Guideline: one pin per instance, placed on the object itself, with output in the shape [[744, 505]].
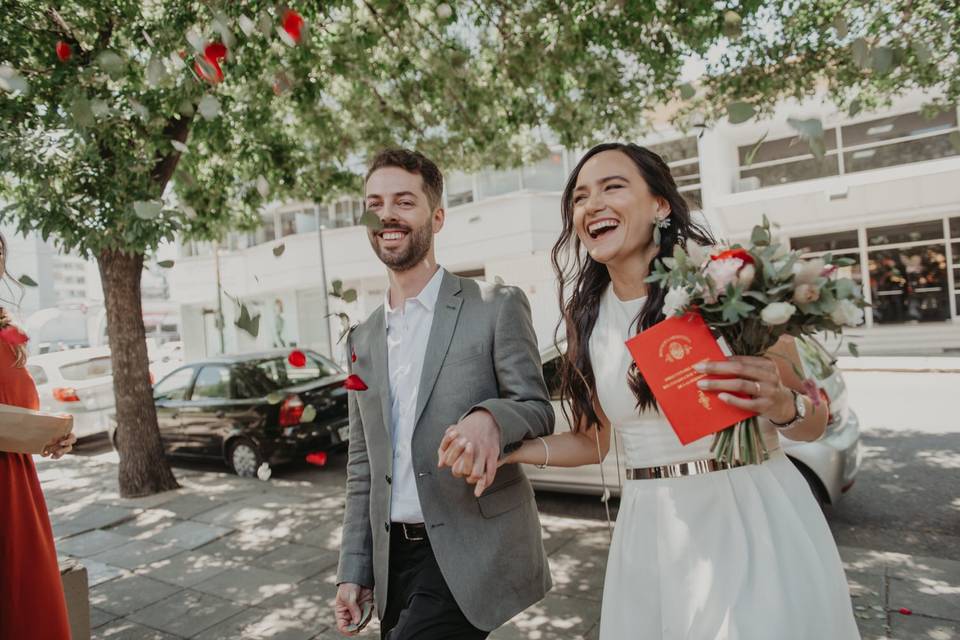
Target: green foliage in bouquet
[[751, 296]]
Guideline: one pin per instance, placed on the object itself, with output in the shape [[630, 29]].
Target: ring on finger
[[757, 394]]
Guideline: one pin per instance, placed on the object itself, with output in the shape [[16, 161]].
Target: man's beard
[[418, 245]]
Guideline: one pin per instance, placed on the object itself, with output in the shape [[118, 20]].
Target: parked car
[[829, 465], [78, 382], [251, 408]]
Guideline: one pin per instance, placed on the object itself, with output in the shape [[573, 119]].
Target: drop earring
[[659, 223]]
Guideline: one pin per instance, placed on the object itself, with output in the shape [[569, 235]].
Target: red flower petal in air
[[743, 254], [905, 611], [208, 70], [293, 24], [353, 357], [297, 358], [12, 335], [354, 383], [318, 458], [64, 51], [215, 52]]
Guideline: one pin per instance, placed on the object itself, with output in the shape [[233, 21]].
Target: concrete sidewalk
[[231, 558]]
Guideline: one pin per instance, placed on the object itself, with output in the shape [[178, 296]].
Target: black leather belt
[[410, 532]]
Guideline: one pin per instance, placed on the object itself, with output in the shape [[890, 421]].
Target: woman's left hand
[[59, 448], [757, 377]]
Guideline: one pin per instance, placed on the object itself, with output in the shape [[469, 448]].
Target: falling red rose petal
[[293, 24], [353, 357], [734, 253], [215, 52], [297, 358], [12, 335], [354, 383], [64, 51], [318, 458], [208, 70], [905, 611]]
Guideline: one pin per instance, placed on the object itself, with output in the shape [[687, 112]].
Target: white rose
[[697, 252], [722, 273], [807, 271], [847, 313], [806, 293], [676, 301], [746, 276], [777, 313]]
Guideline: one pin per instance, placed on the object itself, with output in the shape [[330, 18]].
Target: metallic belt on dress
[[680, 469]]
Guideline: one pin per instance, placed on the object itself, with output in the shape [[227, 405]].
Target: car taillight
[[291, 411], [66, 394]]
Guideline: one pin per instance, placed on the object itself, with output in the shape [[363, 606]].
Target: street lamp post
[[323, 276], [216, 267]]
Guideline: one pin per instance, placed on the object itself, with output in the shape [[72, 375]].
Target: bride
[[699, 552]]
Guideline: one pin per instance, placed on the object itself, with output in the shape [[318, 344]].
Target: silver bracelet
[[547, 449]]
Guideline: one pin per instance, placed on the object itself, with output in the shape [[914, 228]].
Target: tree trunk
[[144, 469]]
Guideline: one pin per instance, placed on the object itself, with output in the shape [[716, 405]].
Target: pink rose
[[806, 293]]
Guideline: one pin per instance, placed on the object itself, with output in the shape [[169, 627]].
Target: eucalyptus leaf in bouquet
[[751, 296]]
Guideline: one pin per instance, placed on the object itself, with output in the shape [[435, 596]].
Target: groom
[[440, 562]]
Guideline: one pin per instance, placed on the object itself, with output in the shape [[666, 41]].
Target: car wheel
[[819, 493], [244, 458]]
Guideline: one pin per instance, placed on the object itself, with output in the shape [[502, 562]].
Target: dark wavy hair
[[586, 280]]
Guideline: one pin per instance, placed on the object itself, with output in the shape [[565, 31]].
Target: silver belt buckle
[[407, 536]]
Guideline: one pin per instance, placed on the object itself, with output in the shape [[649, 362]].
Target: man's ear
[[439, 216]]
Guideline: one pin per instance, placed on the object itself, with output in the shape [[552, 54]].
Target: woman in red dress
[[32, 605]]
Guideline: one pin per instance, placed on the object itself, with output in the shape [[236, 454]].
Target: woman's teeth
[[600, 227]]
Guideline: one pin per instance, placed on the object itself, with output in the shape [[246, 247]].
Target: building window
[[684, 161], [459, 187], [546, 175], [345, 212], [494, 183], [288, 223], [786, 160], [266, 232], [833, 242]]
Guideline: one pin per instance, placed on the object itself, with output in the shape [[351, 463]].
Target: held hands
[[471, 449], [349, 605], [754, 376]]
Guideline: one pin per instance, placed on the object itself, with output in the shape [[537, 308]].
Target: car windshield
[[257, 378], [87, 369]]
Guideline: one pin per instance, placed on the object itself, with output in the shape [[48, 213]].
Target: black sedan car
[[252, 408]]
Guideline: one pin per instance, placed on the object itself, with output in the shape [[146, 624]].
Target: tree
[[126, 124]]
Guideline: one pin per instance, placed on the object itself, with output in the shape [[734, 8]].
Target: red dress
[[32, 605]]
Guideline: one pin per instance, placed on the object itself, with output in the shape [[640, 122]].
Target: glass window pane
[[825, 242], [908, 124], [174, 386], [674, 150], [266, 232], [784, 148], [495, 183], [909, 285], [288, 223], [694, 199], [306, 221], [913, 232], [459, 188], [808, 169], [899, 153], [316, 367], [212, 383], [87, 369], [546, 175], [955, 229]]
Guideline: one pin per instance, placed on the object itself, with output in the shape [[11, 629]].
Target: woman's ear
[[663, 207]]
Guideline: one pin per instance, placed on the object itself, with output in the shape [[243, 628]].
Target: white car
[[829, 464], [78, 382]]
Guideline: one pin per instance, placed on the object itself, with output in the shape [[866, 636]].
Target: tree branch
[[177, 129]]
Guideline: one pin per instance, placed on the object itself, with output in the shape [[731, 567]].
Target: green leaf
[[27, 281], [855, 107], [687, 91], [854, 350], [349, 296], [147, 209], [922, 52], [756, 147], [732, 25], [739, 111], [861, 53], [760, 236], [371, 220], [248, 323], [111, 63], [807, 128], [82, 112], [309, 413], [279, 249], [881, 60], [337, 286], [165, 264], [840, 26]]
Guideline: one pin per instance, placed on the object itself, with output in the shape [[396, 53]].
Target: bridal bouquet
[[750, 297]]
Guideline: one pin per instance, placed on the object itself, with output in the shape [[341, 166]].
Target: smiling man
[[441, 558]]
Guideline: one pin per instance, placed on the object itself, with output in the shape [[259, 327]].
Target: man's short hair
[[412, 162]]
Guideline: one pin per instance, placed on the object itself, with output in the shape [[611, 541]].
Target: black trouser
[[419, 603]]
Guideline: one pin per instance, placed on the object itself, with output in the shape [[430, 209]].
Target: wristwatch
[[801, 412]]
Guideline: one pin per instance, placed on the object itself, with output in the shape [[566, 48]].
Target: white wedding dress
[[742, 554]]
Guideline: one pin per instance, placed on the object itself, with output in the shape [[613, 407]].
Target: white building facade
[[887, 193]]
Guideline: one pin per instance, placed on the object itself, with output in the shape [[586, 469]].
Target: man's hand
[[347, 607], [471, 449]]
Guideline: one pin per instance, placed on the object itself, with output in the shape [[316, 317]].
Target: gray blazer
[[481, 353]]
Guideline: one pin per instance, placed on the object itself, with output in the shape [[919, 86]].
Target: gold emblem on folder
[[703, 400], [675, 348]]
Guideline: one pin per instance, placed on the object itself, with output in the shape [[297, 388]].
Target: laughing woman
[[31, 594], [700, 551]]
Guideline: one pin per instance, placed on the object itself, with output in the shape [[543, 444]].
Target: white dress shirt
[[408, 329]]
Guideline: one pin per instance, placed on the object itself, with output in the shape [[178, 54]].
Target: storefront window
[[833, 242], [914, 232], [909, 284]]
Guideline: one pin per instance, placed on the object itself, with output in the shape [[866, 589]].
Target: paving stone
[[100, 572], [91, 543], [186, 613], [190, 535], [248, 585], [310, 601], [553, 618], [922, 628], [298, 560], [927, 596], [73, 519], [188, 505], [127, 630], [578, 570], [100, 617], [187, 568], [260, 624], [129, 593], [136, 553]]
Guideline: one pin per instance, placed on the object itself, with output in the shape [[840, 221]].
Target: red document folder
[[665, 354]]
